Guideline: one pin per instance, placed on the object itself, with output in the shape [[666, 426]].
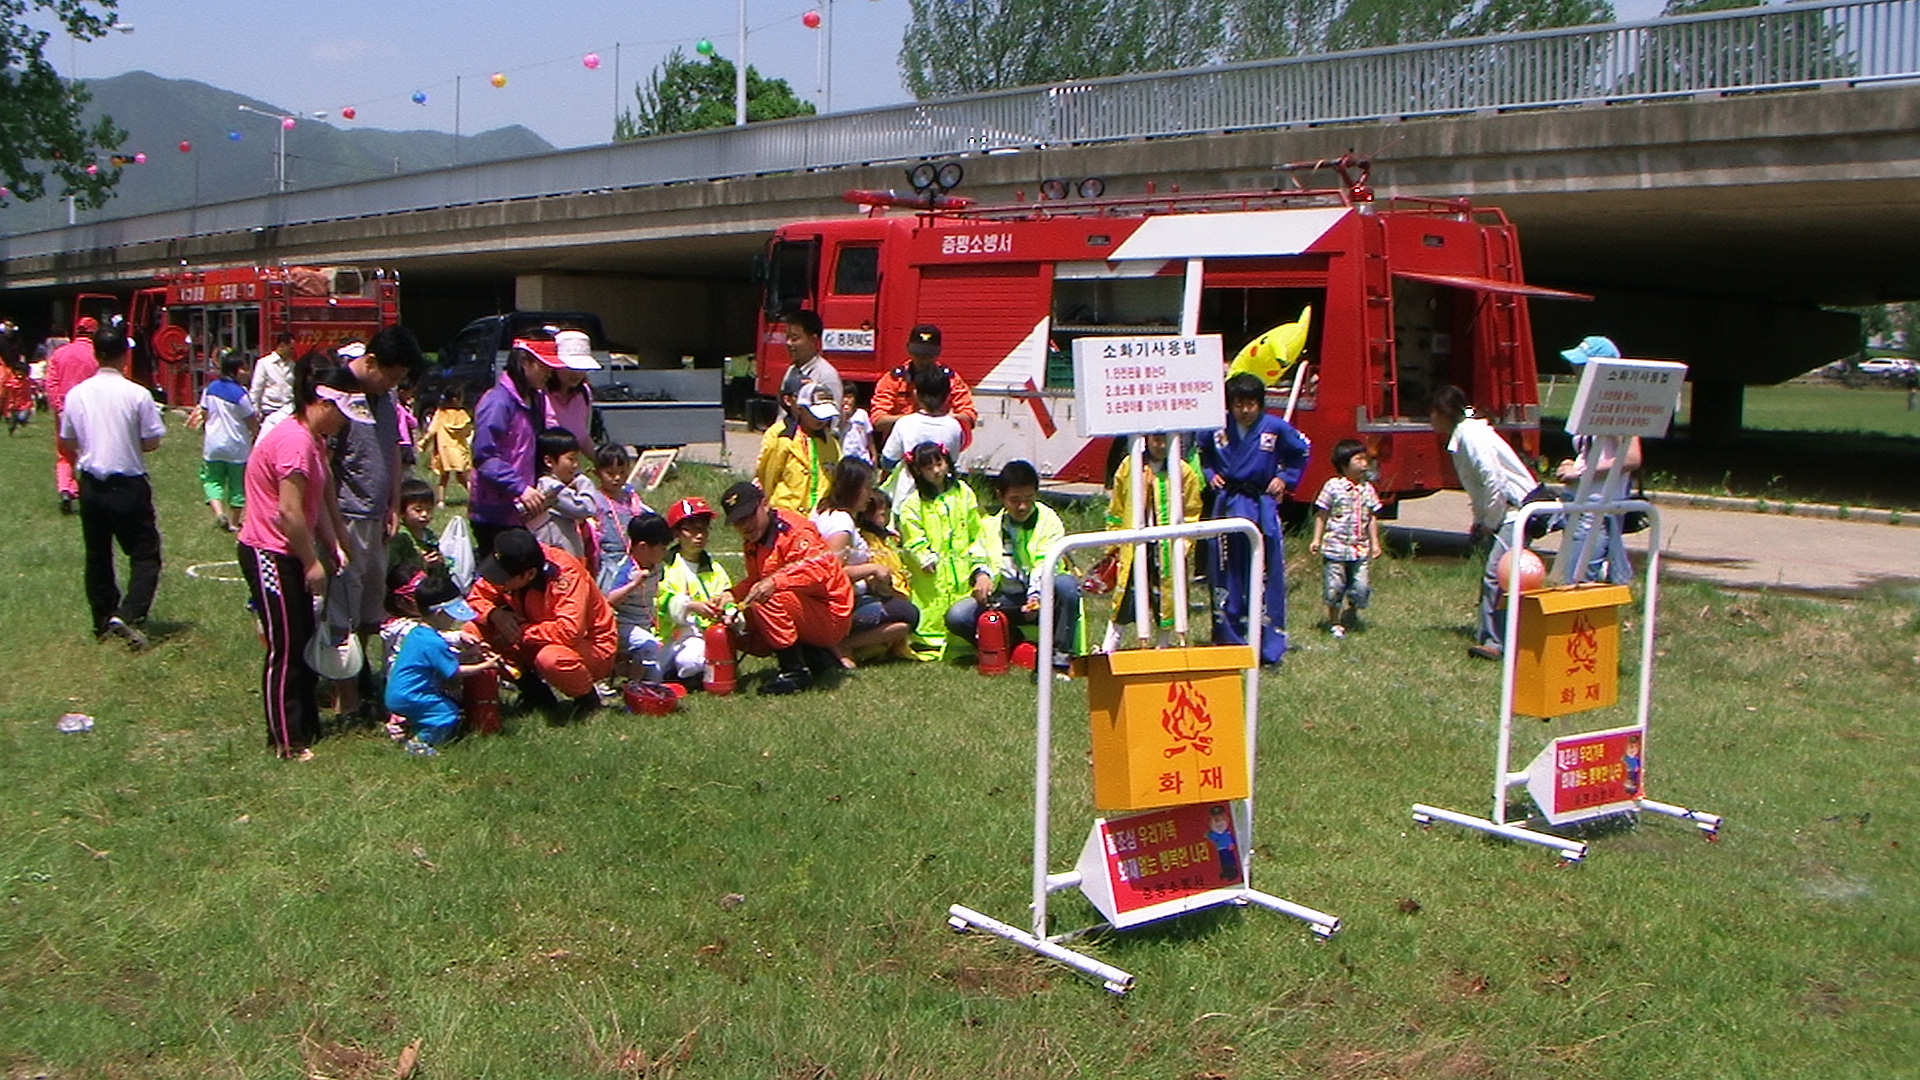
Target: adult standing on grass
[[1497, 482], [506, 465], [367, 470], [290, 542], [805, 364], [109, 425], [272, 386], [540, 610], [67, 367], [570, 399]]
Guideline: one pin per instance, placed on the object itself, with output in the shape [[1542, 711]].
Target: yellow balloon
[[1271, 355], [499, 80]]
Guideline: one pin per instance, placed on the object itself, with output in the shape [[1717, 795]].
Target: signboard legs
[[1580, 776], [1206, 847]]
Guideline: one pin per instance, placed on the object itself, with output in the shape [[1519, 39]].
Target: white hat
[[817, 399], [576, 350]]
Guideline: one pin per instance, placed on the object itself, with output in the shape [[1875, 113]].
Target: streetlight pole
[[740, 71], [287, 121]]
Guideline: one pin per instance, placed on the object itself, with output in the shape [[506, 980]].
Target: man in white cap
[[570, 402]]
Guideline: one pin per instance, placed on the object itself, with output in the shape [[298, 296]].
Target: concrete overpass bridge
[[1712, 180]]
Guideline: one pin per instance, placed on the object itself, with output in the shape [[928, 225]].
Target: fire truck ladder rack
[[1113, 979], [1504, 778]]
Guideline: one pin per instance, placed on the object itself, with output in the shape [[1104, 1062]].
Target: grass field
[[1802, 442], [753, 888]]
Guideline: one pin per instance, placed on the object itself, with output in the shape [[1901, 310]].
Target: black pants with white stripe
[[287, 684]]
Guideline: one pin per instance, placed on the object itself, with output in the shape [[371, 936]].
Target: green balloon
[[703, 47]]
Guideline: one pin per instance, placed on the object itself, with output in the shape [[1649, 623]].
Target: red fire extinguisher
[[719, 677], [991, 636], [480, 701]]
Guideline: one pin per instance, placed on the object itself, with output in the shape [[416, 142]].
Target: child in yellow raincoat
[[1158, 511], [941, 543]]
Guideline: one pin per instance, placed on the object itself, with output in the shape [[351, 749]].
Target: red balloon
[[347, 113], [1533, 572], [811, 20], [185, 146]]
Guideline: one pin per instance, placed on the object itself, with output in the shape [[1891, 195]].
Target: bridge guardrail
[[1796, 45]]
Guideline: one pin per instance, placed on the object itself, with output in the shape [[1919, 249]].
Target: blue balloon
[[233, 136], [419, 97]]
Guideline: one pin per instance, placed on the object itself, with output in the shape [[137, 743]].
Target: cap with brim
[[545, 351], [740, 501], [923, 341], [331, 660], [1591, 348], [456, 609], [354, 406], [818, 400], [352, 350], [86, 324], [688, 509], [575, 349], [515, 552]]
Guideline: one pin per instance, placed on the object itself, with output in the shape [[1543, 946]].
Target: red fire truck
[[181, 326], [1406, 294]]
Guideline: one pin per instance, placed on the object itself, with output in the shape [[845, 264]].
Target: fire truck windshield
[[790, 275]]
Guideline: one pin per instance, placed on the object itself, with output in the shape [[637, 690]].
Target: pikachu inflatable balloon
[[1271, 355]]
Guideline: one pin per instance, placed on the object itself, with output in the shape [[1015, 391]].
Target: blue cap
[[457, 609], [1591, 348]]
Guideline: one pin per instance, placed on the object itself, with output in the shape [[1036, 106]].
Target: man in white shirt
[[272, 386], [110, 424], [1497, 482], [803, 353]]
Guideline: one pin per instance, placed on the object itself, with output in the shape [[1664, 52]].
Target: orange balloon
[[1533, 572], [499, 80]]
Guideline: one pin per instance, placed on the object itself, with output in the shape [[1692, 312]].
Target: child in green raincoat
[[941, 543]]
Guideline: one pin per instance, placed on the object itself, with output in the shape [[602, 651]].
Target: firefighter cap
[[692, 506], [741, 500], [923, 341]]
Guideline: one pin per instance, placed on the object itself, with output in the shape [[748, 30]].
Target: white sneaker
[[1337, 630]]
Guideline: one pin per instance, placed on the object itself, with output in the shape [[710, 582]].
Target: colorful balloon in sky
[[703, 47], [419, 97], [591, 61], [811, 20], [498, 80], [140, 158], [348, 113], [286, 123], [233, 136], [186, 147]]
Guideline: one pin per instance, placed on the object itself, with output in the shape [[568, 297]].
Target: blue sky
[[321, 56]]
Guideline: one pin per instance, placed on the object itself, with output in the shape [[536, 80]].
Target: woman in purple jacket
[[505, 464]]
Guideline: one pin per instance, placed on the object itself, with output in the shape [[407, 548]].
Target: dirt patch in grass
[[1428, 1059], [1008, 979], [1825, 1000]]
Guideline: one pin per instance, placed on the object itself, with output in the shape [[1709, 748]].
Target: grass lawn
[[752, 888], [1802, 442]]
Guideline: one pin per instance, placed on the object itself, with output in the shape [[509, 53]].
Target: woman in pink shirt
[[289, 543]]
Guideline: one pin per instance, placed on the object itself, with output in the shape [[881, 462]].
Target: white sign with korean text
[[1137, 385], [1627, 398], [845, 340]]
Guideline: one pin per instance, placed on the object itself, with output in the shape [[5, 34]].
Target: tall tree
[[970, 46], [40, 126], [694, 95], [1785, 45]]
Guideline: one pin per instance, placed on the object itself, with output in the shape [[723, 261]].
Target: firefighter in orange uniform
[[538, 607], [893, 394], [798, 602]]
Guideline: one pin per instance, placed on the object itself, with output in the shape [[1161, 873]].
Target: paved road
[[1736, 549]]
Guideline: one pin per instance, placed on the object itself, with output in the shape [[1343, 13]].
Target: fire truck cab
[[1404, 294]]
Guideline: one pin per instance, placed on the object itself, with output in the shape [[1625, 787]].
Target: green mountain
[[159, 114]]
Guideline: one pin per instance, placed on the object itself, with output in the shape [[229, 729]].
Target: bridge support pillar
[[1715, 415]]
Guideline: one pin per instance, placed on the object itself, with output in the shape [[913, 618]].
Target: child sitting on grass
[[424, 647], [940, 538], [560, 524], [633, 594], [693, 585], [1346, 535]]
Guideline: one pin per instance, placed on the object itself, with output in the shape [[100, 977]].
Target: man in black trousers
[[110, 424]]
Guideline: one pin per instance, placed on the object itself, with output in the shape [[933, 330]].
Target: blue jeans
[[963, 617]]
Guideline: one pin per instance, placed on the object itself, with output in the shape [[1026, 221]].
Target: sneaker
[[420, 749], [1337, 630], [788, 682], [128, 633], [396, 727], [1485, 652]]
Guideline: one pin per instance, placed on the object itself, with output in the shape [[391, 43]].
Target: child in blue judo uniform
[[1250, 464]]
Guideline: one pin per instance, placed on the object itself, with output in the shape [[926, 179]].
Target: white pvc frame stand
[[1112, 978], [1504, 777]]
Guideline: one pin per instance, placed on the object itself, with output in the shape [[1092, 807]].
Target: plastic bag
[[456, 546]]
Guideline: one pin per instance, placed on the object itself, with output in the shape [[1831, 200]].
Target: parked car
[[1889, 368]]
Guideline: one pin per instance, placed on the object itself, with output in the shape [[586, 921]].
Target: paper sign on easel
[[1588, 775], [1142, 867]]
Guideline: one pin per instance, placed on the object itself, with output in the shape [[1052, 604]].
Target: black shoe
[[1485, 652], [534, 692], [66, 504], [788, 682], [820, 660]]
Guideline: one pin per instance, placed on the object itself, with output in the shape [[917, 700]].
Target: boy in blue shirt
[[1250, 464], [421, 637]]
